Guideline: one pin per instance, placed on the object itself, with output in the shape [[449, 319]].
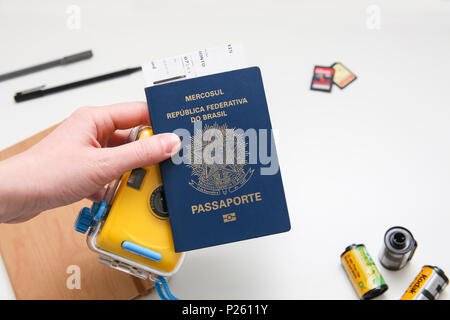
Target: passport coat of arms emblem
[[219, 178]]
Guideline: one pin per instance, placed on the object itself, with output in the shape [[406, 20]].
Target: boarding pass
[[195, 64]]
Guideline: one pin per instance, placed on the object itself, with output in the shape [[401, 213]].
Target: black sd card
[[322, 79]]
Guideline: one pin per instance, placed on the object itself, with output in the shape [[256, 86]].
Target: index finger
[[121, 115]]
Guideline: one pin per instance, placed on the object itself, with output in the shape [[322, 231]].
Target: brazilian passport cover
[[225, 184]]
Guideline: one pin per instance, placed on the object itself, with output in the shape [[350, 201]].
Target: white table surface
[[354, 162]]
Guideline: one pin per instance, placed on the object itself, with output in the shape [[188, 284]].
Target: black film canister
[[399, 246]]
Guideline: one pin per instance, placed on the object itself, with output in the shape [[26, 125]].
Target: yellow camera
[[130, 228]]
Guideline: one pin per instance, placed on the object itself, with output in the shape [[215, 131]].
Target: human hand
[[77, 160]]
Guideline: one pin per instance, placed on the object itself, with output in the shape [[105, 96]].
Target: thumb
[[143, 152]]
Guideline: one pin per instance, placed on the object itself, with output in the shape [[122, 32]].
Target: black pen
[[47, 65], [40, 91]]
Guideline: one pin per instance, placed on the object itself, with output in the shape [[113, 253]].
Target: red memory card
[[322, 79]]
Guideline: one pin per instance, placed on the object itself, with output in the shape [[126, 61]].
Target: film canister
[[362, 272], [428, 284], [399, 246]]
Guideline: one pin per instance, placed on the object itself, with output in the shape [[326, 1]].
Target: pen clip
[[31, 90]]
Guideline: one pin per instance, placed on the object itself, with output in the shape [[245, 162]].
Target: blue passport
[[225, 184]]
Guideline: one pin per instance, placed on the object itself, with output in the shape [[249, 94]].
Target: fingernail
[[171, 143]]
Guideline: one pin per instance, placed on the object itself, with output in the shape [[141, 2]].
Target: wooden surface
[[39, 255]]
